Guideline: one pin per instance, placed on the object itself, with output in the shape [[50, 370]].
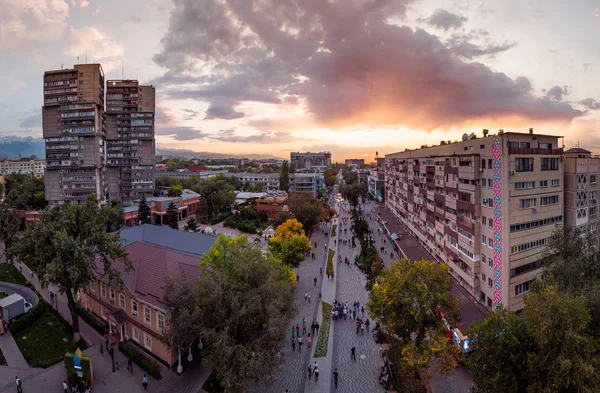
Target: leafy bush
[[323, 340], [148, 365], [25, 320], [247, 226], [334, 230], [329, 267], [91, 320], [220, 217]]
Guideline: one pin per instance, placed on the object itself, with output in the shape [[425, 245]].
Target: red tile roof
[[151, 264]]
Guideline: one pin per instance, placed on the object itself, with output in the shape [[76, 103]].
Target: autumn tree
[[290, 243], [9, 225], [144, 211], [191, 225], [175, 190], [244, 305], [503, 345], [172, 216], [284, 176], [62, 246], [409, 297]]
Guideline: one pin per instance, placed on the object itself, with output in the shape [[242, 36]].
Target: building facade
[[309, 160], [355, 161], [306, 182], [74, 128], [270, 181], [130, 109], [582, 171], [376, 183], [486, 207], [35, 167]]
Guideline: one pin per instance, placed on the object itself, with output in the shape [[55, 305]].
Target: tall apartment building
[[309, 160], [485, 206], [73, 128], [130, 147], [582, 171]]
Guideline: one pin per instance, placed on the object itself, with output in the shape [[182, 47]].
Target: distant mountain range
[[15, 146]]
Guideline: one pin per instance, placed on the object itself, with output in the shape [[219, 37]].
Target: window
[[523, 185], [523, 288], [465, 251], [136, 334], [146, 315], [555, 182], [484, 220], [491, 222], [482, 147], [453, 241], [483, 258], [92, 285], [489, 163], [147, 341], [490, 242], [490, 262], [103, 291], [593, 210], [490, 282], [543, 183], [465, 233], [529, 246], [524, 164], [112, 295], [483, 277], [490, 183], [103, 312], [161, 321], [483, 239], [527, 203], [593, 195], [122, 301], [534, 224], [593, 227], [549, 164], [549, 200], [134, 308]]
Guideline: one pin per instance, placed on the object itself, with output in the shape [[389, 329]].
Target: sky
[[353, 77]]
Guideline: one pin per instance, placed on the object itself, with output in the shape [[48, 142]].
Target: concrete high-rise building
[[484, 206], [309, 160], [130, 110], [73, 128], [582, 191]]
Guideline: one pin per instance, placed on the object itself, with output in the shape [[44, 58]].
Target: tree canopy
[[244, 304], [308, 210], [25, 192], [290, 243], [191, 225], [172, 216], [284, 176], [62, 246], [9, 225], [144, 211], [175, 190]]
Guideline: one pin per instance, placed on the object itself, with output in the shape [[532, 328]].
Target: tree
[[410, 295], [191, 225], [180, 330], [566, 358], [62, 246], [244, 305], [175, 190], [284, 177], [306, 209], [114, 214], [25, 192], [202, 211], [281, 217], [9, 225], [171, 166], [144, 211], [353, 191], [290, 244], [172, 216], [503, 344]]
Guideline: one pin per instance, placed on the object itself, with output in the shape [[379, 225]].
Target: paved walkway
[[28, 294]]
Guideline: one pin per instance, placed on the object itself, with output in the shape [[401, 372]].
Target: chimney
[[531, 131]]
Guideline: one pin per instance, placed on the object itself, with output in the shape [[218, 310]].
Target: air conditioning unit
[[534, 209], [512, 172], [562, 158]]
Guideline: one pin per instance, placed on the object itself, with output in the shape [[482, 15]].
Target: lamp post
[[179, 366]]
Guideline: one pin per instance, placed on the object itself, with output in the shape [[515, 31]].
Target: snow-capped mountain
[[15, 146]]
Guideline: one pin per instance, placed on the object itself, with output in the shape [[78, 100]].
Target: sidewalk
[[12, 353]]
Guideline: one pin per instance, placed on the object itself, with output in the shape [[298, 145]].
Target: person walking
[[65, 386], [310, 371], [19, 385], [293, 343], [312, 328], [297, 330], [130, 365], [297, 277], [309, 340], [303, 326], [20, 271], [305, 296], [353, 353], [335, 377], [145, 381], [309, 297], [315, 280], [316, 374], [367, 324], [299, 344]]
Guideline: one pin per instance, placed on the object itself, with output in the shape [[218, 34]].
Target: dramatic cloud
[[263, 137], [344, 61], [446, 20], [189, 114], [25, 23], [180, 133], [590, 103], [96, 46], [556, 93]]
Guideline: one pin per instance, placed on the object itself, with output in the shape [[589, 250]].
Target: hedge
[[25, 320], [323, 340], [334, 230], [91, 320], [329, 267], [148, 365]]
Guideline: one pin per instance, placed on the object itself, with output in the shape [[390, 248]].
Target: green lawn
[[329, 267], [45, 342], [334, 230], [9, 273], [323, 339]]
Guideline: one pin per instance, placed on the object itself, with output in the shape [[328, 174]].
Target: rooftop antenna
[[61, 66], [77, 59]]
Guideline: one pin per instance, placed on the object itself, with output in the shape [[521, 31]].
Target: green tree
[[202, 211], [353, 191], [24, 192], [290, 244], [244, 306], [503, 344], [566, 357], [144, 211], [281, 217], [9, 225], [410, 295], [114, 215], [191, 225], [284, 176], [172, 216], [175, 190], [62, 246], [306, 209], [171, 166]]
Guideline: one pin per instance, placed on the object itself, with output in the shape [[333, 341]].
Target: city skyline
[[347, 77]]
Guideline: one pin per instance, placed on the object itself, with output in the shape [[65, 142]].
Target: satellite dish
[[472, 136], [465, 137]]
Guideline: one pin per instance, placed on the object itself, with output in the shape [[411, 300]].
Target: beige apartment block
[[485, 206], [73, 128], [130, 110], [582, 171]]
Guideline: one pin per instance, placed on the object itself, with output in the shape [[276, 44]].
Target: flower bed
[[329, 267], [323, 340], [334, 230]]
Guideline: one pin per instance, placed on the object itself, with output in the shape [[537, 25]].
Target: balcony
[[532, 150]]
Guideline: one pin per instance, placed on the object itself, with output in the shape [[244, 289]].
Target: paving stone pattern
[[293, 375], [360, 375]]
